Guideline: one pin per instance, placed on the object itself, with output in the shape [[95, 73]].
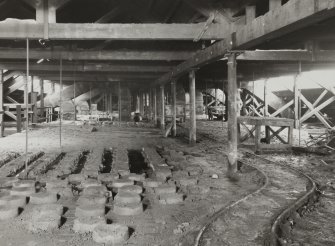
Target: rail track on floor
[[265, 216]]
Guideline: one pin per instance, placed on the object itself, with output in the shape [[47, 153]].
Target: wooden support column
[[232, 115], [1, 105], [174, 108], [53, 87], [193, 126], [42, 98], [250, 14], [274, 4], [145, 104], [140, 98], [155, 106], [31, 89], [162, 107], [18, 118], [266, 110], [34, 107], [120, 108], [111, 100], [296, 102]]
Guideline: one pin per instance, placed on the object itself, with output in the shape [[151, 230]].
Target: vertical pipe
[[26, 108], [60, 102], [216, 97], [1, 105], [155, 106], [162, 107], [174, 108], [192, 136], [232, 115], [206, 100]]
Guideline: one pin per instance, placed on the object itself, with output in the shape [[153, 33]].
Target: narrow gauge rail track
[[266, 216]]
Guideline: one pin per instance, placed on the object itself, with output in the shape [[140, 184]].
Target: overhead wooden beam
[[204, 8], [283, 20], [201, 58], [263, 28], [286, 55], [87, 67], [110, 55], [274, 4], [100, 78], [22, 29]]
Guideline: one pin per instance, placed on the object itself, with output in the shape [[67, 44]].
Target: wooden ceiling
[[179, 28]]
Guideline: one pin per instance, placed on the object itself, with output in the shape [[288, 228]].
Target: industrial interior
[[167, 123]]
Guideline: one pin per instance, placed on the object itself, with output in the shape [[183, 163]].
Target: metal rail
[[275, 233]]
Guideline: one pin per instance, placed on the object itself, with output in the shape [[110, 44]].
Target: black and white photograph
[[167, 123]]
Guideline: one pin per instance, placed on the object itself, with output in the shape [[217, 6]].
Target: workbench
[[270, 133]]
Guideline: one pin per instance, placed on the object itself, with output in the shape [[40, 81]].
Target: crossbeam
[[276, 23], [22, 29], [100, 67], [108, 55]]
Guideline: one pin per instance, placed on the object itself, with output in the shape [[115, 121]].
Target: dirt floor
[[198, 173], [159, 224], [316, 227]]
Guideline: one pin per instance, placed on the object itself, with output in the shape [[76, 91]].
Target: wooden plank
[[23, 29], [316, 110], [276, 134], [273, 121], [13, 105], [279, 55], [168, 129], [107, 55], [286, 106], [10, 114]]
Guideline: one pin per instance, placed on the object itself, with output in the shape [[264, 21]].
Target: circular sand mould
[[113, 234]]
